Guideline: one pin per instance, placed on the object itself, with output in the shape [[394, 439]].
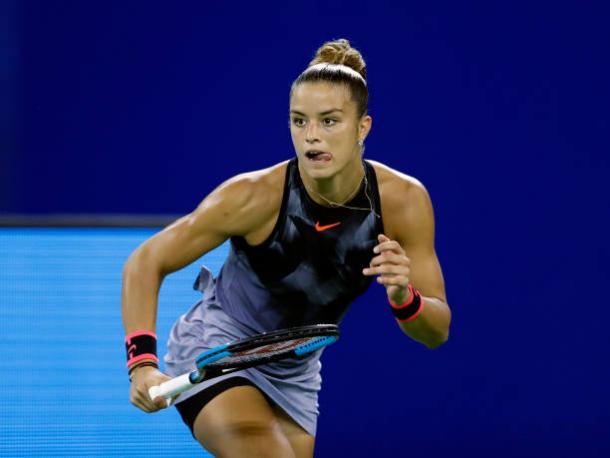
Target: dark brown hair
[[335, 54]]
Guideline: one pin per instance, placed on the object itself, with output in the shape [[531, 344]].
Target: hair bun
[[340, 52]]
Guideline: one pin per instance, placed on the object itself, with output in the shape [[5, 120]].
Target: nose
[[311, 133]]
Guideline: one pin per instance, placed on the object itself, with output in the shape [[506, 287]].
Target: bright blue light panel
[[64, 385]]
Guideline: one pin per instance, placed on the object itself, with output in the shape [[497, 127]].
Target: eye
[[329, 122], [299, 122]]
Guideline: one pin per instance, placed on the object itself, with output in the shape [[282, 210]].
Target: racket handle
[[171, 388]]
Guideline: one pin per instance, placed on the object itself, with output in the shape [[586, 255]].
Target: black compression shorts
[[190, 408]]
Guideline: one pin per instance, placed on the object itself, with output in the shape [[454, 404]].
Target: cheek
[[344, 136], [295, 136]]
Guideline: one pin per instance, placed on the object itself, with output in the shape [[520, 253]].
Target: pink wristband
[[406, 303], [141, 345], [416, 314], [410, 309]]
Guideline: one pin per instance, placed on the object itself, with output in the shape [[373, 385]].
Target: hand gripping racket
[[249, 352]]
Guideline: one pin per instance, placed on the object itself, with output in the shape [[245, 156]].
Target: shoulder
[[405, 201], [397, 189], [247, 200], [255, 187]]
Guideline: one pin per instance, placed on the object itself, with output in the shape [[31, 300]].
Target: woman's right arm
[[235, 208]]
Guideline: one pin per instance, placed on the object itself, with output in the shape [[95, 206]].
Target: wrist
[[410, 308], [141, 348], [143, 366], [403, 299]]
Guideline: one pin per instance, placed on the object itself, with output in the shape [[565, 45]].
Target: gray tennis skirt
[[292, 384]]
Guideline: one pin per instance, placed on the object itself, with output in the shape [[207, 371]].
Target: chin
[[318, 171]]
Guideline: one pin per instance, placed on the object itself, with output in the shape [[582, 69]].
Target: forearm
[[141, 284], [431, 327]]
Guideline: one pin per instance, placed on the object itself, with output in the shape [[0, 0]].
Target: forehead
[[321, 96]]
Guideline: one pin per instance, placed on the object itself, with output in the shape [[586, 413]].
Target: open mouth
[[318, 156]]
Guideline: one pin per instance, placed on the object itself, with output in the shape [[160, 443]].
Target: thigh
[[240, 422], [301, 441]]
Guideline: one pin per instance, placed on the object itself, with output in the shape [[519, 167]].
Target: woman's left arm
[[407, 256]]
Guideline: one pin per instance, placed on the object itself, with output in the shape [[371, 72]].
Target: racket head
[[268, 347]]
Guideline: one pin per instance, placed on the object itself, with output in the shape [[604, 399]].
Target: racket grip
[[171, 388]]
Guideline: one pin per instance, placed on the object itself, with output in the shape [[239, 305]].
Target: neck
[[335, 190]]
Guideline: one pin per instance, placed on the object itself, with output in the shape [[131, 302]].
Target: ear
[[364, 127]]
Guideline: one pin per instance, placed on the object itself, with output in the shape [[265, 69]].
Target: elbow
[[440, 334], [141, 261], [437, 340], [132, 262]]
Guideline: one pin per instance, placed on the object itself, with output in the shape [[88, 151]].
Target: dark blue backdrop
[[501, 109]]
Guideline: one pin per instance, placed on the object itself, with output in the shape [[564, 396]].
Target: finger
[[143, 397], [145, 404], [389, 245], [383, 244], [393, 280], [155, 404], [140, 405], [393, 269], [160, 402], [383, 238], [390, 257]]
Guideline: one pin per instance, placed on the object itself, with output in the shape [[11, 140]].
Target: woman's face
[[326, 128]]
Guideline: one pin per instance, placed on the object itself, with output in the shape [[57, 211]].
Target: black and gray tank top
[[309, 270]]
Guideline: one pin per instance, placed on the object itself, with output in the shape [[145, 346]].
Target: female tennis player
[[307, 237]]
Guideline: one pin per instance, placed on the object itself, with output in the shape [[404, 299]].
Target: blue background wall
[[65, 392], [501, 109]]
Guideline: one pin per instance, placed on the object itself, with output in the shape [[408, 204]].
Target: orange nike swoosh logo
[[323, 228]]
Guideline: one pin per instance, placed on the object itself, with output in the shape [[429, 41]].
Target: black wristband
[[410, 310], [141, 346]]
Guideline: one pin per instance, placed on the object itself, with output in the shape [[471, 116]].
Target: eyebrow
[[323, 113]]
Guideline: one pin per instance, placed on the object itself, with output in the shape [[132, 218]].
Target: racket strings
[[267, 351]]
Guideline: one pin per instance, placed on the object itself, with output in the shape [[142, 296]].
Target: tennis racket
[[249, 352]]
